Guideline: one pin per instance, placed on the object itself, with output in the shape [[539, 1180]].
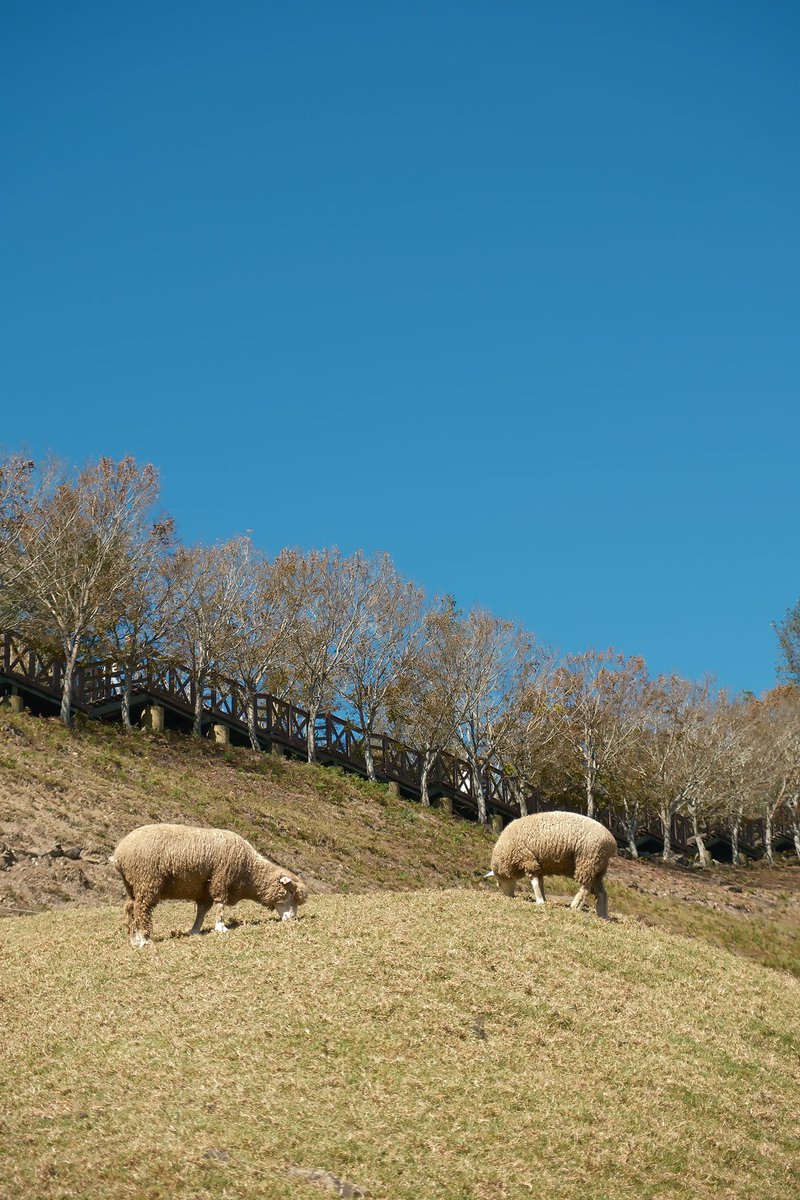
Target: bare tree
[[601, 694], [779, 721], [500, 661], [265, 615], [211, 580], [73, 539], [741, 763], [24, 487], [429, 706], [384, 643], [673, 750], [331, 593], [531, 755], [788, 632], [705, 754], [132, 626]]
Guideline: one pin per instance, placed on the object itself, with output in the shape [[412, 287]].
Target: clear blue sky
[[510, 290]]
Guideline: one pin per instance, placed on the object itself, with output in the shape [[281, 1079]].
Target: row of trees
[[89, 568]]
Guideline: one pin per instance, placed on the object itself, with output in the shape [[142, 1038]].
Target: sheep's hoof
[[221, 927], [138, 940]]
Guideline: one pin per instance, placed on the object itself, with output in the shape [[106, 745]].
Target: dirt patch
[[757, 889]]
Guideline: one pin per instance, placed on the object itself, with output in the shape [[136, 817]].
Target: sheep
[[555, 843], [209, 866]]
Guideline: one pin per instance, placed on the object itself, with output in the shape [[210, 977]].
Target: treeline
[[88, 568]]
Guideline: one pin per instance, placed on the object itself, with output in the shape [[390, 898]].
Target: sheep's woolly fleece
[[181, 862], [554, 843]]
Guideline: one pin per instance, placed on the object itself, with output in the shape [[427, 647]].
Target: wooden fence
[[98, 687]]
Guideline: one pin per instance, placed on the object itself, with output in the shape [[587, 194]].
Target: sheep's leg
[[601, 894], [580, 898], [142, 920], [202, 909], [537, 884], [219, 924], [129, 916]]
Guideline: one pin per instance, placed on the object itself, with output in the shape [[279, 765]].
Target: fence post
[[446, 805], [222, 735], [497, 823], [153, 718]]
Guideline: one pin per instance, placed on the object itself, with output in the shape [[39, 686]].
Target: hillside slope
[[445, 1044], [88, 787], [85, 789]]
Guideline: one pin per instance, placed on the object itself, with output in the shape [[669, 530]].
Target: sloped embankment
[[85, 789], [81, 791], [442, 1044]]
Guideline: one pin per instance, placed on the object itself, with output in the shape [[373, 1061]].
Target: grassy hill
[[413, 1035], [85, 789], [421, 1044], [88, 787]]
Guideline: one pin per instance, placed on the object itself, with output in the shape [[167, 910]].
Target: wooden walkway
[[98, 688]]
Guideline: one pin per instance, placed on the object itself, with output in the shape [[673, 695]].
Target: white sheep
[[209, 866], [555, 843]]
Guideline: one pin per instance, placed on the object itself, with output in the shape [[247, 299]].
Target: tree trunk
[[630, 833], [589, 791], [770, 853], [369, 762], [477, 787], [702, 853], [666, 824], [519, 790], [127, 692], [428, 760], [197, 726], [735, 842], [68, 683], [794, 817], [252, 723], [311, 745], [590, 762]]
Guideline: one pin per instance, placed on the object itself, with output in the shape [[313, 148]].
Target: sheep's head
[[292, 894], [506, 884]]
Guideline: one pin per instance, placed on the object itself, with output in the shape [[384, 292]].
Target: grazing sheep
[[555, 843], [209, 866]]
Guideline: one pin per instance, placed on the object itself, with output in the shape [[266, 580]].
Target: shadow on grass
[[233, 924]]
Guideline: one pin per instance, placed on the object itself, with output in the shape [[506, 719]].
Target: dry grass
[[450, 1045], [89, 787]]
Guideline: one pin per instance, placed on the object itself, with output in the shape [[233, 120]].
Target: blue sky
[[510, 290]]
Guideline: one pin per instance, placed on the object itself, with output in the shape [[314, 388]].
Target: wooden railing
[[98, 688]]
